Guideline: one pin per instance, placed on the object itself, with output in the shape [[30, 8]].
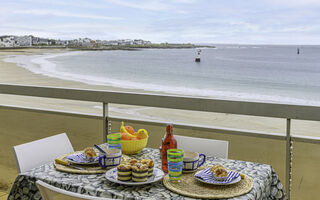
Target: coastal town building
[[9, 41], [40, 41], [23, 41], [141, 42], [110, 42], [82, 42], [61, 42]]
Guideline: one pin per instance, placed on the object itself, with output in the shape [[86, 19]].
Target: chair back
[[49, 192], [209, 147], [39, 152]]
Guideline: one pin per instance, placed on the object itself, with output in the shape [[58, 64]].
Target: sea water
[[246, 72]]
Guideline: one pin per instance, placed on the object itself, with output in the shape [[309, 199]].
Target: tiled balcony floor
[[3, 196]]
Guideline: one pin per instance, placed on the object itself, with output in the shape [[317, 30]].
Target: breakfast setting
[[124, 167], [119, 161]]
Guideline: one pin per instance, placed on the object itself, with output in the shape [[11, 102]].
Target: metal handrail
[[277, 110]]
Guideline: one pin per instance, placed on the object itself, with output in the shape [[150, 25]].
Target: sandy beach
[[19, 127]]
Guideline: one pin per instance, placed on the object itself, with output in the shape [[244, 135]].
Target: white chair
[[216, 148], [49, 192], [39, 152]]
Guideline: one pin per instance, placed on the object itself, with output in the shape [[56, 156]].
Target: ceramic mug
[[191, 161], [111, 158]]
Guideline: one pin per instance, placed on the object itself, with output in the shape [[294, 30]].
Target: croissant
[[89, 152], [219, 171]]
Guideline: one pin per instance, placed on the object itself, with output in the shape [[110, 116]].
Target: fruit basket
[[133, 142], [133, 146]]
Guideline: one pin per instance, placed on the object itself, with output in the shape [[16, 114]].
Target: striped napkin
[[207, 176], [80, 158]]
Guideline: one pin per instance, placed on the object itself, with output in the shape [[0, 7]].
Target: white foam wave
[[41, 65]]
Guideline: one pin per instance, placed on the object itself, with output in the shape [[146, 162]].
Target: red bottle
[[168, 142]]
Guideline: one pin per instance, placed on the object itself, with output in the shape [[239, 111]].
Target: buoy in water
[[198, 56]]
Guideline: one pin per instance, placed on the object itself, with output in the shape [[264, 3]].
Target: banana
[[124, 130], [143, 130], [142, 133]]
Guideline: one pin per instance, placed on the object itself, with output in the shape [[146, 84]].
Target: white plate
[[209, 179], [236, 180], [112, 175]]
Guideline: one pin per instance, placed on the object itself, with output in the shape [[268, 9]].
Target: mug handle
[[102, 160], [203, 160]]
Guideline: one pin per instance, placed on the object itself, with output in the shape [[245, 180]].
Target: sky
[[175, 21]]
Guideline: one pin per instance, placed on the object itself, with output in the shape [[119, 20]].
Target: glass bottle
[[168, 142]]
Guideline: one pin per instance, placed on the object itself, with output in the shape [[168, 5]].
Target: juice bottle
[[168, 142]]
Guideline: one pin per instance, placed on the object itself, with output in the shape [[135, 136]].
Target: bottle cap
[[169, 128]]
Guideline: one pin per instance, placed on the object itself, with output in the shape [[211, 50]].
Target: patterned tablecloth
[[266, 184]]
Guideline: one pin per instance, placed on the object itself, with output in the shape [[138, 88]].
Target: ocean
[[246, 72]]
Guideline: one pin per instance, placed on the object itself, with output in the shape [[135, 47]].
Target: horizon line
[[195, 43]]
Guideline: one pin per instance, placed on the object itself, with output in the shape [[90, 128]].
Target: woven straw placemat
[[191, 187], [90, 169]]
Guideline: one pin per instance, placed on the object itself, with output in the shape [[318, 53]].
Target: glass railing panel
[[206, 119], [305, 128], [21, 126], [210, 119], [305, 171], [60, 105]]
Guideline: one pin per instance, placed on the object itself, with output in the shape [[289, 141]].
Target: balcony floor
[[3, 196]]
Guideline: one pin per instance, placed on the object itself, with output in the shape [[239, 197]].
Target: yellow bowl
[[133, 146]]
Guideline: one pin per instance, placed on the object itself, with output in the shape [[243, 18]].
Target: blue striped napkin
[[207, 176], [81, 158]]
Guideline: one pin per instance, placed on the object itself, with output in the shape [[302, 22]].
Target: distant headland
[[30, 41]]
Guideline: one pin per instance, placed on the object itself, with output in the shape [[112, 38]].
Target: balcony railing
[[274, 110]]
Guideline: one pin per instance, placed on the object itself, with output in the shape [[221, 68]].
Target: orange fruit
[[125, 136], [134, 138], [130, 129]]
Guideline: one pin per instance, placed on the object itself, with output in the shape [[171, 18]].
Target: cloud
[[144, 5], [295, 3], [64, 14], [215, 21], [63, 3], [185, 1]]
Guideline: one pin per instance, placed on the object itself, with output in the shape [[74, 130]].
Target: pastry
[[150, 165], [219, 172], [140, 172], [124, 172], [132, 162], [89, 153]]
